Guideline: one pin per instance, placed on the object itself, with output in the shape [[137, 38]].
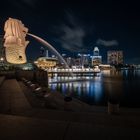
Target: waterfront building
[[76, 62], [46, 62], [84, 60], [96, 58], [105, 66], [115, 57]]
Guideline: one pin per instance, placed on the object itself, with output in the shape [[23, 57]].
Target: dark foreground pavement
[[21, 121], [23, 128]]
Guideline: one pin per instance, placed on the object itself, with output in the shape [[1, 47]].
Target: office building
[[115, 57]]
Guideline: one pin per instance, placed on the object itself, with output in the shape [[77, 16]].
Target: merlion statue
[[15, 42]]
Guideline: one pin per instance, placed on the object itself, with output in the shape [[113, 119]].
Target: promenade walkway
[[12, 99], [19, 119], [23, 128]]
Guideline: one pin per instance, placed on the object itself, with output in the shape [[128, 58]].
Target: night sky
[[78, 26]]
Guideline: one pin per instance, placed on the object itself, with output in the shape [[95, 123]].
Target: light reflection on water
[[88, 90], [115, 85]]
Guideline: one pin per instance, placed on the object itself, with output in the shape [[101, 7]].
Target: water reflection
[[115, 86], [89, 90]]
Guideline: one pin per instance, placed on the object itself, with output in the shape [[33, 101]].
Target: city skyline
[[77, 27]]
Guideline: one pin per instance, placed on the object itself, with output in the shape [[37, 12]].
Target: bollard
[[33, 87], [39, 92], [28, 83]]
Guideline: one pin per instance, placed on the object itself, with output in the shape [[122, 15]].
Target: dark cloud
[[26, 5], [73, 38], [72, 34], [107, 43], [29, 2]]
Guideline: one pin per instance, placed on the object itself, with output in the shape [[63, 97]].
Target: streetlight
[[1, 59]]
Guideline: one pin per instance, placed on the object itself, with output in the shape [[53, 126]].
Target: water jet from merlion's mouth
[[50, 47]]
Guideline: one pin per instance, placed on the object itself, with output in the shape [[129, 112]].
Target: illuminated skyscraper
[[96, 59], [84, 60], [96, 51], [115, 57]]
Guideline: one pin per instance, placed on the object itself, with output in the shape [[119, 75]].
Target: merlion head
[[15, 42]]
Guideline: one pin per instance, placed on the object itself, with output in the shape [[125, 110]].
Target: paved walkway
[[20, 120], [12, 99], [23, 128]]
